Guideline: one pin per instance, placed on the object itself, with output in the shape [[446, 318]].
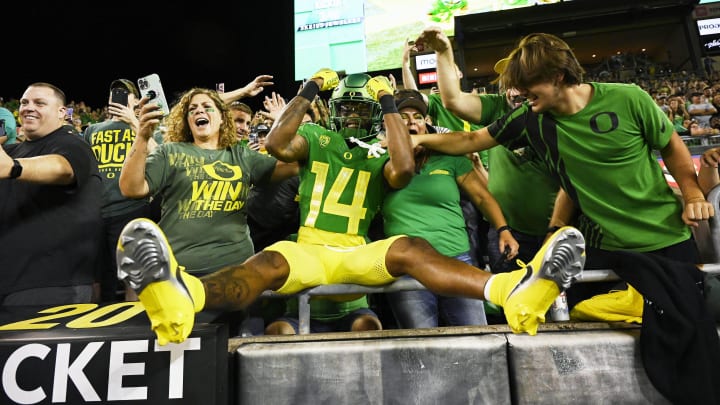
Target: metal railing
[[700, 143], [409, 284], [402, 284], [709, 253]]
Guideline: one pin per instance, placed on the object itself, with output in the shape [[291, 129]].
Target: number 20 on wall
[[93, 318]]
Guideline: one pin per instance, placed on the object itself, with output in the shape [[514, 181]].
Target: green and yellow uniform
[[341, 190]]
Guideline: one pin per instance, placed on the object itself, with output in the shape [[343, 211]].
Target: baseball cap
[[410, 98], [125, 84]]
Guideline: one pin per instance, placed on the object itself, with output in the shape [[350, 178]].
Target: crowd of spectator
[[673, 91], [677, 93], [205, 126], [80, 115], [659, 80]]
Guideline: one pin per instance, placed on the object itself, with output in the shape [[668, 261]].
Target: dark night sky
[[81, 49]]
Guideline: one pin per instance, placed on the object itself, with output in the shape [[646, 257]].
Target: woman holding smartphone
[[204, 176]]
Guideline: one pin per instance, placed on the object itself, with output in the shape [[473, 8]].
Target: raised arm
[[407, 74], [251, 89], [400, 168], [282, 141], [465, 105], [132, 176], [457, 143]]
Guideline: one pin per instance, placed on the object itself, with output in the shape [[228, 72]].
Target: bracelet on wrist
[[503, 228], [16, 170]]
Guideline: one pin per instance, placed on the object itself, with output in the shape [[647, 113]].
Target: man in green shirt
[[597, 139]]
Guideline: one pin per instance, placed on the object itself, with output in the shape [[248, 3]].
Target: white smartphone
[[151, 88]]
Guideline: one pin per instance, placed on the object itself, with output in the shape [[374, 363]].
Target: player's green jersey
[[327, 310], [341, 188], [603, 156]]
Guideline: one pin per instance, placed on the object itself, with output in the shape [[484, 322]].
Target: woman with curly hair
[[203, 175]]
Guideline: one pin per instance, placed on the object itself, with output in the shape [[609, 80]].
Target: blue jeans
[[425, 309], [529, 245]]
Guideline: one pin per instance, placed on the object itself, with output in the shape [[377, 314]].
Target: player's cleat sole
[[527, 294], [147, 265]]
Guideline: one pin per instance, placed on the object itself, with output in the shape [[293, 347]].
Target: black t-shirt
[[273, 212], [50, 235]]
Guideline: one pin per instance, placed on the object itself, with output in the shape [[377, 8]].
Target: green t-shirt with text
[[204, 194], [110, 142]]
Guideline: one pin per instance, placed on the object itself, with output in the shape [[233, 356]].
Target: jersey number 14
[[354, 211]]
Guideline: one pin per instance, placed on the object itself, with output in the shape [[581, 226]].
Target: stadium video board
[[368, 35]]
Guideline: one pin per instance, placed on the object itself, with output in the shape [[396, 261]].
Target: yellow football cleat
[[615, 306], [526, 294], [170, 296]]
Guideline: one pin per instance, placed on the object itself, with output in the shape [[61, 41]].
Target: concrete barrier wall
[[450, 370], [599, 367], [563, 364]]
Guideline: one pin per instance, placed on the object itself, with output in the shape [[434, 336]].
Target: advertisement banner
[[87, 353]]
